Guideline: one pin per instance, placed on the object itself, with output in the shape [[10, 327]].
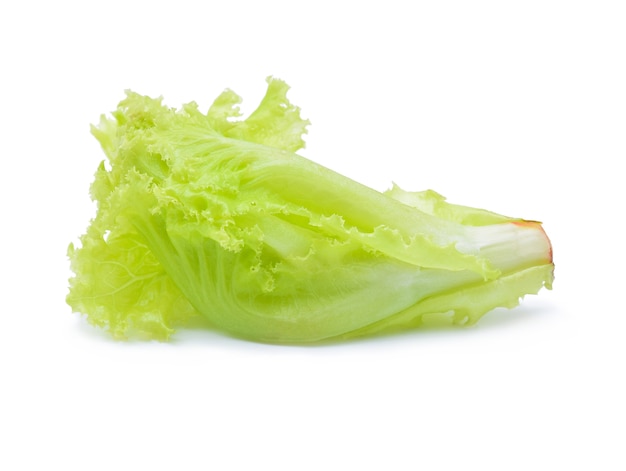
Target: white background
[[518, 107]]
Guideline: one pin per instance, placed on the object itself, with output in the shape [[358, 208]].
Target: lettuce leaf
[[217, 216]]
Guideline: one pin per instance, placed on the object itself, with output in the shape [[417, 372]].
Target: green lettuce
[[214, 215]]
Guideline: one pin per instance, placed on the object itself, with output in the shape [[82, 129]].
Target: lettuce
[[215, 215]]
